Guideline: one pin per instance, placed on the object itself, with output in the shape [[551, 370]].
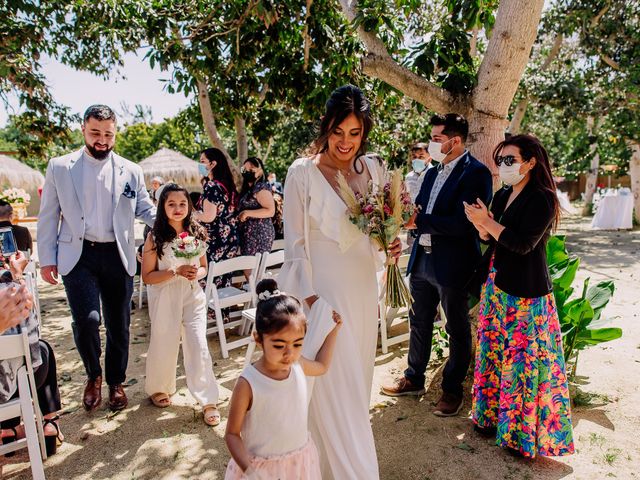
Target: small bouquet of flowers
[[15, 196], [380, 213], [186, 248]]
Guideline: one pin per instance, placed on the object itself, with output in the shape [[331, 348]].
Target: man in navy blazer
[[442, 261]]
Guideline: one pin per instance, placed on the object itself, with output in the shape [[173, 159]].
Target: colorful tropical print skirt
[[520, 384]]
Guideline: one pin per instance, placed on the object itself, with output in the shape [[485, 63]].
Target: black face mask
[[249, 176]]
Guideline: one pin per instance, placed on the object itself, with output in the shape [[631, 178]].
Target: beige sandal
[[161, 400], [211, 415]]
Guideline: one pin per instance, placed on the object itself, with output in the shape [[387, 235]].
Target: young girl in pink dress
[[267, 433]]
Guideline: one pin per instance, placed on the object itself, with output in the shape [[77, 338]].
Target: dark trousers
[[46, 385], [99, 277], [427, 294]]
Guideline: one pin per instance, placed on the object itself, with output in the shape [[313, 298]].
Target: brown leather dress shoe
[[117, 397], [449, 405], [402, 387], [92, 397]]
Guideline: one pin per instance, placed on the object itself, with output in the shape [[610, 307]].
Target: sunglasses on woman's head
[[508, 160]]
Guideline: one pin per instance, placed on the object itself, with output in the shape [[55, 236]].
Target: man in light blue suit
[[89, 203]]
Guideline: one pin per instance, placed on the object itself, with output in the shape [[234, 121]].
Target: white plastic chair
[[269, 260], [217, 299], [25, 406]]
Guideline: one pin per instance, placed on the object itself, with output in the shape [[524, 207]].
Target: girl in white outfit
[[267, 432], [177, 308]]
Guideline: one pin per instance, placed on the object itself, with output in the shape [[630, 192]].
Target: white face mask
[[511, 175], [435, 150]]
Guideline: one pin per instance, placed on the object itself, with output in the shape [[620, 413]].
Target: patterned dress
[[223, 231], [520, 384], [256, 234]]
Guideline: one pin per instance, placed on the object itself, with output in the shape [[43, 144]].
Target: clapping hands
[[478, 213]]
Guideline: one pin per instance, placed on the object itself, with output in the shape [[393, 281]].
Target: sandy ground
[[143, 442]]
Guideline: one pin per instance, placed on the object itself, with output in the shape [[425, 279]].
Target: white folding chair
[[270, 260], [277, 245], [25, 406], [217, 299], [388, 314], [31, 278]]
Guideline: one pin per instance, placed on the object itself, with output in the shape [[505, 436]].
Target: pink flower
[[367, 209], [387, 210], [183, 235]]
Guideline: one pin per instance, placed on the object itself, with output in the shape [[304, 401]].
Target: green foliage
[[580, 318], [181, 133]]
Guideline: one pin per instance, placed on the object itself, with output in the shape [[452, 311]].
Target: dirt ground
[[143, 442]]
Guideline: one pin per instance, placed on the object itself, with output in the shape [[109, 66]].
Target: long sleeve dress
[[326, 255]]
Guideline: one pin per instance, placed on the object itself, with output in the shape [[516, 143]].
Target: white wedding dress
[[326, 255]]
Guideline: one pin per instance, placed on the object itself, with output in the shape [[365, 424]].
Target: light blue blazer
[[61, 225]]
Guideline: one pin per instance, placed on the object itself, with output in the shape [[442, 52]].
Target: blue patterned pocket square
[[128, 192]]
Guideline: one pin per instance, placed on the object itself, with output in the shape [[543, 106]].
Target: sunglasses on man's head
[[508, 160]]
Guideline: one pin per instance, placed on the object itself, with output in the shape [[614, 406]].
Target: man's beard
[[98, 154]]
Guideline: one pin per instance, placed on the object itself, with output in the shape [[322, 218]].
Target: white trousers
[[178, 311]]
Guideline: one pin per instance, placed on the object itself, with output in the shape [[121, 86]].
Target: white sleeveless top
[[277, 421]]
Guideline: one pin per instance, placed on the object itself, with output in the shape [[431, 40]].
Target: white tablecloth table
[[614, 212]]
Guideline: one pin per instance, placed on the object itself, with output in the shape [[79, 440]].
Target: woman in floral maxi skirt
[[520, 390]]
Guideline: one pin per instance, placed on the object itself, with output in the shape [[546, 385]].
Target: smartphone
[[8, 244]]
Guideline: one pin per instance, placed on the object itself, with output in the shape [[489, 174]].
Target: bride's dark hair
[[163, 232], [343, 102]]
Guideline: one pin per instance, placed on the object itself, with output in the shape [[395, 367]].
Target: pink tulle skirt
[[301, 464]]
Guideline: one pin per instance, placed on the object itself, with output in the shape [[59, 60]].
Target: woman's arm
[[268, 210], [240, 404], [208, 214], [320, 365]]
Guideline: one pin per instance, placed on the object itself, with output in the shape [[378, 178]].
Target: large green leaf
[[565, 272], [597, 335], [556, 250], [579, 312], [599, 295]]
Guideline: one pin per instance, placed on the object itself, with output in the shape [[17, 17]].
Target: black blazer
[[454, 240], [521, 250]]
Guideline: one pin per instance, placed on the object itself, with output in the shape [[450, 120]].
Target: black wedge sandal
[[51, 441], [7, 440]]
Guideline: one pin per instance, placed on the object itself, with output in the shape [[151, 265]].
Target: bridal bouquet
[[380, 213]]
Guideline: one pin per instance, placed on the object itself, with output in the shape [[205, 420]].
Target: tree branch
[[307, 38], [209, 120], [553, 53], [378, 63]]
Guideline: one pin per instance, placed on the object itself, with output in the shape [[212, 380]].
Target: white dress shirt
[[441, 178], [413, 181], [97, 186]]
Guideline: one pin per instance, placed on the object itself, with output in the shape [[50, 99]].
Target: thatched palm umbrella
[[171, 166], [14, 173]]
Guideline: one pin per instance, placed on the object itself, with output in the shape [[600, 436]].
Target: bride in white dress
[[333, 266]]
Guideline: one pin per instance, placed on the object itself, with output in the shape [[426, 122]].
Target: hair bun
[[267, 288]]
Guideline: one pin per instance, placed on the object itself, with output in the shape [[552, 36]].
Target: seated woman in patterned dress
[[217, 208], [257, 209], [520, 391]]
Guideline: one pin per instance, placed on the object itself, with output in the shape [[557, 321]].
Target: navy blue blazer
[[454, 240]]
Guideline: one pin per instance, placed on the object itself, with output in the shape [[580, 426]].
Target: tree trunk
[[209, 120], [518, 116], [485, 132], [592, 176], [498, 76], [241, 139], [634, 173], [592, 181]]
